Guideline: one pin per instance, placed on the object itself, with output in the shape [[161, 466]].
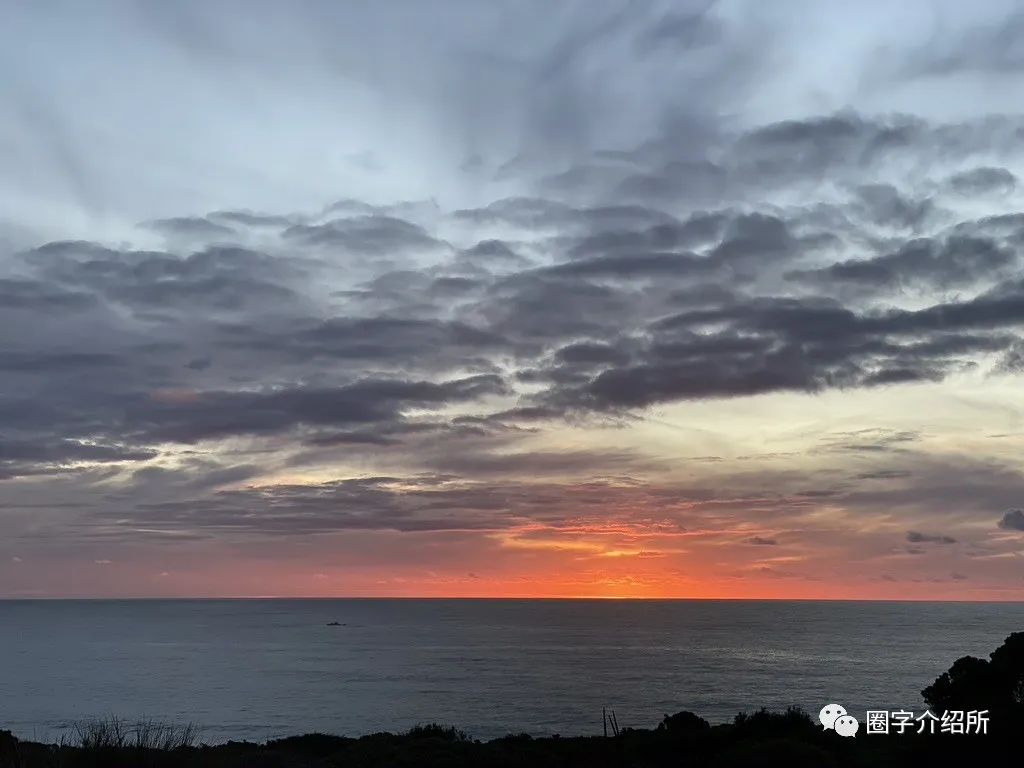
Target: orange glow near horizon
[[631, 543], [602, 562]]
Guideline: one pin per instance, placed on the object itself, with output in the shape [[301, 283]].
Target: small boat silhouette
[[335, 624]]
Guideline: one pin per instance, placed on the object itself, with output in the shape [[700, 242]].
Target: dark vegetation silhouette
[[791, 739], [995, 684]]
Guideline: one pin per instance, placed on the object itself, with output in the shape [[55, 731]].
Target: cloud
[[383, 340], [1013, 520], [419, 503], [983, 180], [916, 537], [365, 235], [19, 458], [21, 294], [193, 227], [542, 287], [955, 261], [217, 277], [618, 308], [222, 414], [884, 474]]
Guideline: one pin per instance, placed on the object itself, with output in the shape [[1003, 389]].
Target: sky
[[560, 299]]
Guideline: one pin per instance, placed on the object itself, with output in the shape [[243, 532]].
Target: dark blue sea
[[256, 669]]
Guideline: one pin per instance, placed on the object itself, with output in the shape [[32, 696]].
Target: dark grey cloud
[[1013, 520], [217, 277], [883, 474], [454, 286], [193, 227], [522, 212], [216, 414], [411, 504], [885, 206], [811, 147], [387, 341], [486, 253], [767, 345], [636, 266], [952, 262], [848, 149], [590, 353], [21, 294], [983, 180], [370, 235], [916, 537], [535, 309], [54, 362], [848, 347], [19, 458], [702, 376], [665, 233], [252, 219]]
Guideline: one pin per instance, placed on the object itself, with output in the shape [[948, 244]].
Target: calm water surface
[[256, 669]]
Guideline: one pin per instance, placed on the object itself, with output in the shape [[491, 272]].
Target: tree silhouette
[[995, 684]]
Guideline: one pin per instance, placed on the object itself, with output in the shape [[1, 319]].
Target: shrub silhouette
[[439, 732], [684, 723], [995, 684], [793, 722]]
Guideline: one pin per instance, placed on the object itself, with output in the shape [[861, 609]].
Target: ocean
[[258, 669]]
